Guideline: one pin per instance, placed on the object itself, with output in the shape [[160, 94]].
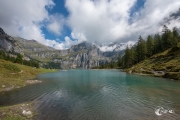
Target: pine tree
[[19, 59], [141, 50], [2, 54], [175, 36], [167, 38], [120, 62], [158, 44], [127, 57], [150, 46]]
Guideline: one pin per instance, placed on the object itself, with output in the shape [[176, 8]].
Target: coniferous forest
[[145, 48]]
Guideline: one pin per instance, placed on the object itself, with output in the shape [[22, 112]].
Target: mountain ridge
[[83, 55]]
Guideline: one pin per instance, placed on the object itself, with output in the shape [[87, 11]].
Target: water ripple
[[98, 95]]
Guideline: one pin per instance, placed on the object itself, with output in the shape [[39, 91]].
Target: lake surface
[[98, 95]]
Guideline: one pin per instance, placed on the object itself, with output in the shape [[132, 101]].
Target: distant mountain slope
[[83, 55], [35, 50], [32, 45]]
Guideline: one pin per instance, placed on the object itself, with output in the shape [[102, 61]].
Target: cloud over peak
[[94, 21], [99, 21], [110, 21]]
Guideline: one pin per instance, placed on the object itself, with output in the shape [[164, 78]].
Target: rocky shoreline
[[20, 111], [153, 73]]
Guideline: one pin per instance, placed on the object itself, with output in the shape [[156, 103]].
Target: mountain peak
[[2, 31]]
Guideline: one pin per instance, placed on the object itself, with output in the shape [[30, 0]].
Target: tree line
[[110, 65], [146, 48], [52, 65], [18, 59]]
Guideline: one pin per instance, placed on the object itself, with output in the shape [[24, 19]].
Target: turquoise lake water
[[98, 95]]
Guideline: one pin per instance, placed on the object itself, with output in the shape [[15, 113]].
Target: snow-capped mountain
[[115, 47]]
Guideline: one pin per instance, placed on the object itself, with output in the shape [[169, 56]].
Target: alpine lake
[[99, 95]]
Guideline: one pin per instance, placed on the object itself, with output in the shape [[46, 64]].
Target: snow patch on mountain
[[116, 47]]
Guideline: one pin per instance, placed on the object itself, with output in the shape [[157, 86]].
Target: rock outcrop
[[83, 55], [7, 43]]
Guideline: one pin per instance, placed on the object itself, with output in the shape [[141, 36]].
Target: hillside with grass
[[158, 55], [165, 64], [14, 75]]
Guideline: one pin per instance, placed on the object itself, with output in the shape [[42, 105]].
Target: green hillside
[[165, 64], [157, 55], [13, 75]]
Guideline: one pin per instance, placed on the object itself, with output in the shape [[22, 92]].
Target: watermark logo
[[160, 111]]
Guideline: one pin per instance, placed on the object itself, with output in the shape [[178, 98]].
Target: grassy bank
[[165, 64], [14, 75]]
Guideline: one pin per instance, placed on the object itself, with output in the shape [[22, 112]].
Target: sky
[[63, 23]]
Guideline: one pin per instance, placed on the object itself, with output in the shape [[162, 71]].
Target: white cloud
[[25, 18], [56, 23], [95, 21], [17, 14], [152, 17], [110, 21], [66, 44], [79, 36], [107, 48]]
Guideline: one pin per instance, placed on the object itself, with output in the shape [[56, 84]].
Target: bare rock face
[[6, 42], [86, 57], [6, 45]]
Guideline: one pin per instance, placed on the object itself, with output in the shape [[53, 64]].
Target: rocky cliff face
[[83, 55], [7, 43], [86, 57]]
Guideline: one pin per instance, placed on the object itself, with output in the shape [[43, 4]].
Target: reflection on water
[[98, 95]]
